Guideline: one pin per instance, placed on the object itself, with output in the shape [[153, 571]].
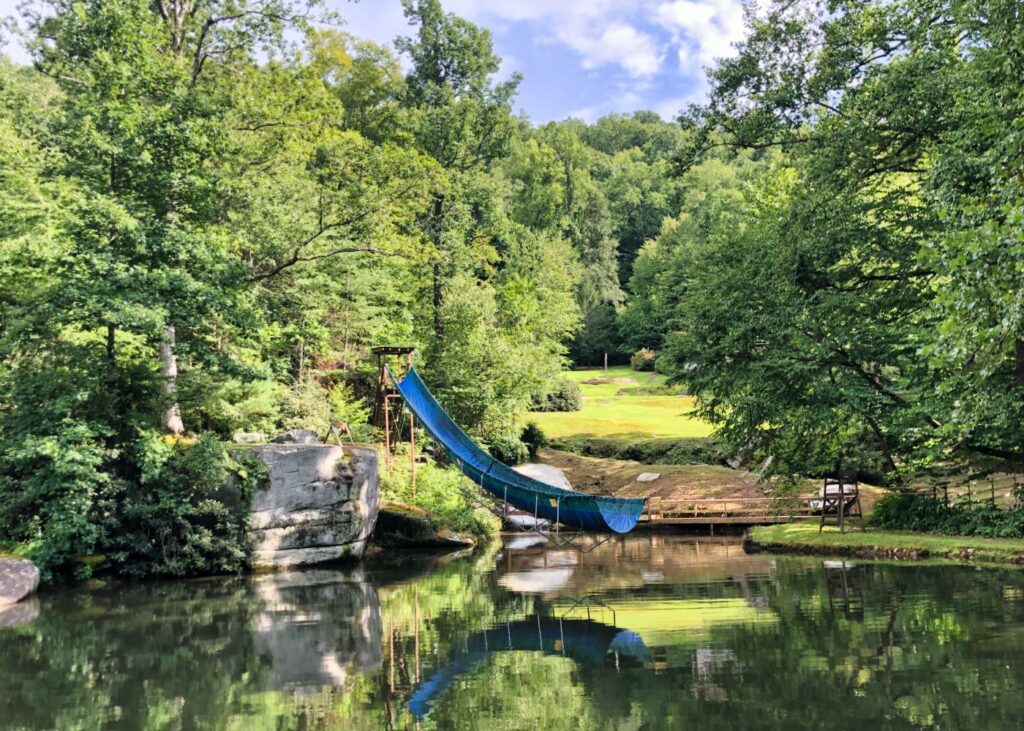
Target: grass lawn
[[624, 408], [805, 538]]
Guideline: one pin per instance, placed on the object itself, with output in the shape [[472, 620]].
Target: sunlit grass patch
[[624, 408]]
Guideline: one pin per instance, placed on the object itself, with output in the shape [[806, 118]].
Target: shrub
[[906, 510], [534, 438], [647, 451], [188, 513], [443, 492], [912, 511], [50, 485], [566, 396], [643, 360], [509, 450], [664, 364]]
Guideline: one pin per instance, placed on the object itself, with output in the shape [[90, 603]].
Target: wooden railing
[[729, 510], [1003, 490]]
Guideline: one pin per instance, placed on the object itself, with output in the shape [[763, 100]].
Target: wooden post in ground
[[387, 434]]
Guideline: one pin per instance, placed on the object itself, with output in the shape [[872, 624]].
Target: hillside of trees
[[210, 210]]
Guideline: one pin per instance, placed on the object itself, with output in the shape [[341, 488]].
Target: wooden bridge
[[728, 511]]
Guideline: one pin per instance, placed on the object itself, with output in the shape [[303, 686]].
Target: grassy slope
[[624, 410], [805, 538]]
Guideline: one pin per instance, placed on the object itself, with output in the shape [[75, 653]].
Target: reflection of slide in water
[[586, 642]]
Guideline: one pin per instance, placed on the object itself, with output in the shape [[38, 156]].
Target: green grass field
[[625, 409]]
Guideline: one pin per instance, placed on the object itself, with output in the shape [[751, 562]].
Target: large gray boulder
[[18, 579], [321, 504], [297, 436]]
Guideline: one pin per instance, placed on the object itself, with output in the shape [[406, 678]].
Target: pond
[[644, 632]]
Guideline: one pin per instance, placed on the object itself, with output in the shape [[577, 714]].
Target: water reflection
[[647, 632], [582, 640], [316, 628]]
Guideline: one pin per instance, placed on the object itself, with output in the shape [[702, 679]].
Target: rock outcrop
[[321, 504], [297, 436]]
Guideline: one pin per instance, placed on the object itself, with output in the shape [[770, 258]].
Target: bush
[[664, 364], [534, 438], [915, 512], [643, 360], [566, 396], [442, 492], [188, 513], [647, 451], [509, 450]]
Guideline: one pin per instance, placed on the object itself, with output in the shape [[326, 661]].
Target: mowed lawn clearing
[[622, 404]]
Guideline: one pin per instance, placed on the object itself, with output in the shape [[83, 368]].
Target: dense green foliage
[[443, 492], [210, 210], [904, 510], [851, 294], [565, 396]]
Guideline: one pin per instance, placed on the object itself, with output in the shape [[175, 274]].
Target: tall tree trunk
[[438, 322], [1018, 352], [172, 416], [111, 355], [438, 230]]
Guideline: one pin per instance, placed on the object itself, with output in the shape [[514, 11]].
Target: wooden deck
[[728, 511]]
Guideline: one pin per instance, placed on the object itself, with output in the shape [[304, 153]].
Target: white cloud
[[615, 44], [604, 33], [703, 30]]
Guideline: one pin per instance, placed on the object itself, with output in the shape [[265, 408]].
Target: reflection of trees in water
[[930, 646], [928, 652], [127, 657], [187, 654]]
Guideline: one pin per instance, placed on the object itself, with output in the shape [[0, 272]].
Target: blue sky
[[586, 58], [578, 58]]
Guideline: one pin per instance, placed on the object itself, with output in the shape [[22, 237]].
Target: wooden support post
[[412, 451], [387, 434]]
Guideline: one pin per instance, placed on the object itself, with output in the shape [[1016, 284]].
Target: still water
[[645, 632]]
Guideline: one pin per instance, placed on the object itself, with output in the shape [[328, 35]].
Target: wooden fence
[[1003, 490]]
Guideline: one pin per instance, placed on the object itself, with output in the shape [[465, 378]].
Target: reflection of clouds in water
[[521, 543], [536, 581]]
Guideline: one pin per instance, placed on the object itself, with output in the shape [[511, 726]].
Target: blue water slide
[[596, 513]]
